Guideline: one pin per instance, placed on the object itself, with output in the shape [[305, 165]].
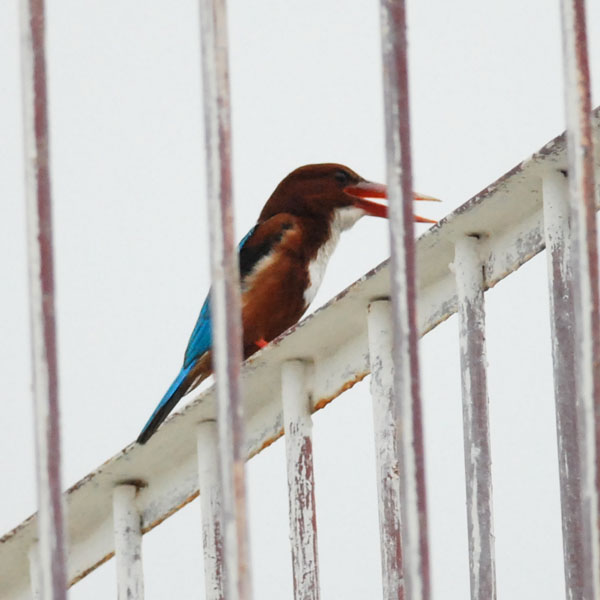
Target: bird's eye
[[342, 177]]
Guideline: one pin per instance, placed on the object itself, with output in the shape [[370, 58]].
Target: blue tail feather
[[177, 389]]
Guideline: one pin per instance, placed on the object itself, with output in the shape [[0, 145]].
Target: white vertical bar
[[225, 296], [128, 543], [468, 270], [34, 572], [41, 293], [211, 502], [301, 482], [386, 423], [558, 252], [584, 258], [403, 286]]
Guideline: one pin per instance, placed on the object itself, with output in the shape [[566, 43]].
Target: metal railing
[[49, 575], [484, 240]]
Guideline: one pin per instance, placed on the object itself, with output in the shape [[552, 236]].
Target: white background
[[131, 258]]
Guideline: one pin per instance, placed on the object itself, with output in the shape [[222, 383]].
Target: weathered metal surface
[[385, 425], [34, 573], [211, 503], [468, 270], [562, 318], [508, 212], [297, 423], [128, 543], [225, 296], [52, 572], [404, 305], [586, 294]]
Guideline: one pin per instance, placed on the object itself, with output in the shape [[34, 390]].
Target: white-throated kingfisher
[[282, 261]]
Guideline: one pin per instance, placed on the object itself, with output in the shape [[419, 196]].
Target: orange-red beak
[[366, 189]]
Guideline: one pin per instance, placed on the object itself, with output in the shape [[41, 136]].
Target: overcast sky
[[132, 268]]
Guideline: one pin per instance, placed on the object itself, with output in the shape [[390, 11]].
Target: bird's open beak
[[367, 189]]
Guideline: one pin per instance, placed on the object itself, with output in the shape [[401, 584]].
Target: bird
[[282, 261]]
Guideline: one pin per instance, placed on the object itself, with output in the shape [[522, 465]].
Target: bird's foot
[[261, 343]]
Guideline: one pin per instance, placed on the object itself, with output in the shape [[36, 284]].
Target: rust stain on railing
[[297, 421], [560, 281], [403, 293], [225, 296], [387, 438], [51, 568], [584, 257], [468, 271]]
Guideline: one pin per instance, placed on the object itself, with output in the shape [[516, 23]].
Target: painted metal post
[[34, 572], [386, 424], [41, 294], [211, 502], [468, 270], [403, 285], [225, 296], [562, 317], [297, 424], [128, 543], [584, 256]]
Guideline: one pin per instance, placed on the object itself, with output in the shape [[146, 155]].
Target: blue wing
[[200, 342], [201, 338]]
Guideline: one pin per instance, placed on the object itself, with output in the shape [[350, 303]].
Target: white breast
[[343, 219]]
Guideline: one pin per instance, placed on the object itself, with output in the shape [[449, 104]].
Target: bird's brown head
[[319, 190]]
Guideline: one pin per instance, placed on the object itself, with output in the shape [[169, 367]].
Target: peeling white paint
[[51, 553], [128, 543], [300, 475], [225, 296], [211, 503], [584, 257], [385, 425], [470, 284], [560, 281]]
